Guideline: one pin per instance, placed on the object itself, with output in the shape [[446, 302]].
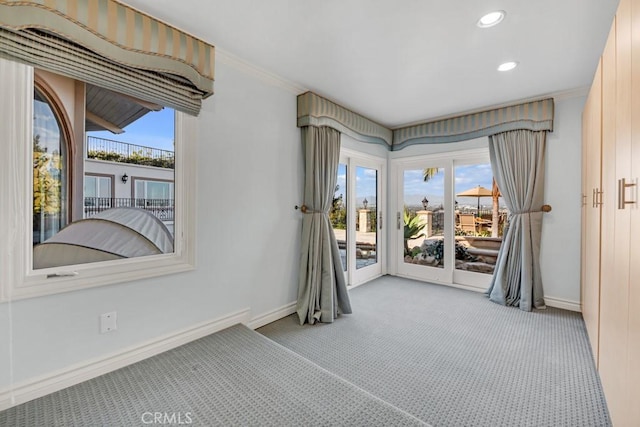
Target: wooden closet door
[[590, 295], [606, 355], [614, 295], [633, 359]]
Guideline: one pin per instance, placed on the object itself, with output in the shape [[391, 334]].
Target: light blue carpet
[[452, 358], [235, 377]]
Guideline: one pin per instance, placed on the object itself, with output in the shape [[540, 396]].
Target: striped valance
[[105, 39], [537, 115], [314, 110]]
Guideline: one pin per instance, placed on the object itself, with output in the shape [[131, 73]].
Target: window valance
[[111, 45], [314, 110], [536, 116]]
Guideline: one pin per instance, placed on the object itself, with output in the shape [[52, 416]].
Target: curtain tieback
[[544, 209], [305, 210]]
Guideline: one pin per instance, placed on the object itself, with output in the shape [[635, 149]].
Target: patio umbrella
[[478, 192]]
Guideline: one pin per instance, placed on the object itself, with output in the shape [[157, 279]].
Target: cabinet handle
[[584, 199], [597, 198], [622, 187]]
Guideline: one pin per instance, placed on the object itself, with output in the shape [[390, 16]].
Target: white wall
[[560, 247], [249, 179]]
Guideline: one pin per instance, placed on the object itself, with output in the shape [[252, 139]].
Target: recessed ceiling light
[[507, 66], [491, 19]]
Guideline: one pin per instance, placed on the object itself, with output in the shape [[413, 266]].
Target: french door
[[357, 216], [446, 217]]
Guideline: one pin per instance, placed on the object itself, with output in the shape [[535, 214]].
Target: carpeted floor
[[412, 354], [235, 377], [452, 358]]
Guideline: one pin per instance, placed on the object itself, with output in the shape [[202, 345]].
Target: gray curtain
[[322, 291], [517, 161]]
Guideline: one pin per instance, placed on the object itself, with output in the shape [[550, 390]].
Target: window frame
[[97, 176], [18, 279], [112, 184], [135, 179]]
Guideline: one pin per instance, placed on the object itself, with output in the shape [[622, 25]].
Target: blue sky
[[154, 129], [365, 183], [466, 177]]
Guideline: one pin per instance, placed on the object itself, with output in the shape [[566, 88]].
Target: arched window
[[50, 167]]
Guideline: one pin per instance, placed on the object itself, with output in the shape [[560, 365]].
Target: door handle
[[380, 219], [398, 220], [622, 193]]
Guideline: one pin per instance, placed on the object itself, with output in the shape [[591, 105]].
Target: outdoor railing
[[123, 152], [163, 209]]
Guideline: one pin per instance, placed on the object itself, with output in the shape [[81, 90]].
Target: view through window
[[338, 214], [121, 203], [479, 217]]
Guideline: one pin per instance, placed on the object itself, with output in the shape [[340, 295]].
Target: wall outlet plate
[[108, 322]]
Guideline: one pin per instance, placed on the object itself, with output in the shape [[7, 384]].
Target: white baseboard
[[549, 301], [272, 316], [84, 371], [479, 289], [563, 303]]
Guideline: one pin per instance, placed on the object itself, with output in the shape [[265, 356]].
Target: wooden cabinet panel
[[614, 308], [590, 297], [633, 337], [607, 356]]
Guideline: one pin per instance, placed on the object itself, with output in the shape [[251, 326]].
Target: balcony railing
[[123, 152], [163, 209]]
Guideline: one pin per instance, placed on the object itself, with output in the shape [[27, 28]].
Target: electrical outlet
[[108, 322]]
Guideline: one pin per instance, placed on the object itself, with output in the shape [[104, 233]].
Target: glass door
[[450, 219], [422, 222], [356, 217], [366, 223]]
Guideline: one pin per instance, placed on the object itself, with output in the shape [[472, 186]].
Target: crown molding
[[265, 76], [578, 92]]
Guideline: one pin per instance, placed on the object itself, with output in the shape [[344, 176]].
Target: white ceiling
[[402, 61]]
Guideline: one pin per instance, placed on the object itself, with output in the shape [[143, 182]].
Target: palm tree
[[428, 173]]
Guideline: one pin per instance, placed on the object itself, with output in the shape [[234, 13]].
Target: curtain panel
[[517, 161], [322, 290], [111, 45]]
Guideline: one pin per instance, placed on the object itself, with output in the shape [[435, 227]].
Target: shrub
[[134, 158], [436, 250]]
